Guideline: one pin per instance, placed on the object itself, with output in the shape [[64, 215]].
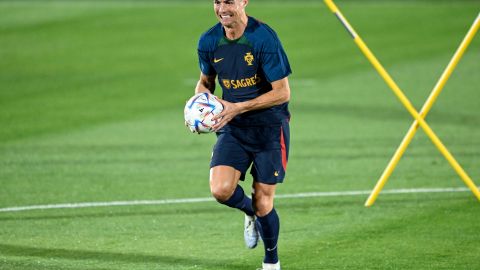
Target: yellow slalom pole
[[404, 100], [423, 113]]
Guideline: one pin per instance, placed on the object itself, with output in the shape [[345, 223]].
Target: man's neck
[[237, 31]]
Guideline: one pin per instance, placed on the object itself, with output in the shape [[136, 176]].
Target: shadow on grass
[[117, 257], [207, 209]]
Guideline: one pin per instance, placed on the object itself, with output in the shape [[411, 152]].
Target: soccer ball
[[199, 111]]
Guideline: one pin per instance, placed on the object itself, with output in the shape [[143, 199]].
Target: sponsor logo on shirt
[[226, 83], [241, 83]]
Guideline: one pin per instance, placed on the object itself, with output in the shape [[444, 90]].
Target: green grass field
[[91, 102]]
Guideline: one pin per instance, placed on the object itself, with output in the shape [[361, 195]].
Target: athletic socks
[[269, 228], [240, 201]]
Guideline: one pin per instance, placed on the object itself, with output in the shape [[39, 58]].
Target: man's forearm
[[267, 100], [205, 84], [201, 88]]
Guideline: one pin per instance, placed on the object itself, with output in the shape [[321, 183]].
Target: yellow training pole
[[423, 113], [404, 100]]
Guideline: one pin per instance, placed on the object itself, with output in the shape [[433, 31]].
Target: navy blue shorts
[[263, 148]]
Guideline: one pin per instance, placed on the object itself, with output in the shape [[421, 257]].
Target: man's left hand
[[230, 110]]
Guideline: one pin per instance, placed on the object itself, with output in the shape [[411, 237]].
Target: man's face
[[229, 12]]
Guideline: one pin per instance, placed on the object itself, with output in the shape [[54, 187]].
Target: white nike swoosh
[[271, 249]]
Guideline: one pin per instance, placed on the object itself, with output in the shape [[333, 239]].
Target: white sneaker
[[250, 234], [270, 266]]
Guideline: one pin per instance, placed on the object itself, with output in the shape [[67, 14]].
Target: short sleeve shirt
[[245, 68]]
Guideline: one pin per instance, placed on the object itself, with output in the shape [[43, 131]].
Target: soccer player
[[252, 130]]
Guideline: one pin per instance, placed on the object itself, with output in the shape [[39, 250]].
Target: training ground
[[92, 139]]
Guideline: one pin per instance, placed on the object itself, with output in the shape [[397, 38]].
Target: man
[[252, 69]]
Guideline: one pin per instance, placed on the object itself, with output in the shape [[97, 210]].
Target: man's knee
[[263, 195], [221, 195], [262, 205], [223, 181], [221, 191]]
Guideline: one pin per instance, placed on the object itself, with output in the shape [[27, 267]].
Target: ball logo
[[226, 83], [249, 58]]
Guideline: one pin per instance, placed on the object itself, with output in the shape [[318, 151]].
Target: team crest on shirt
[[249, 58], [226, 83]]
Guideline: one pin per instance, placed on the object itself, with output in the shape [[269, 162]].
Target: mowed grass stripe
[[209, 199]]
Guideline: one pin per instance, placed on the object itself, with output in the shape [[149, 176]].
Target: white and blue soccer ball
[[199, 111]]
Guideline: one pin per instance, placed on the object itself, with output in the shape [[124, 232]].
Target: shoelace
[[250, 223]]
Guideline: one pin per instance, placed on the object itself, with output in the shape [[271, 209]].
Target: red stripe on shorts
[[284, 150]]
